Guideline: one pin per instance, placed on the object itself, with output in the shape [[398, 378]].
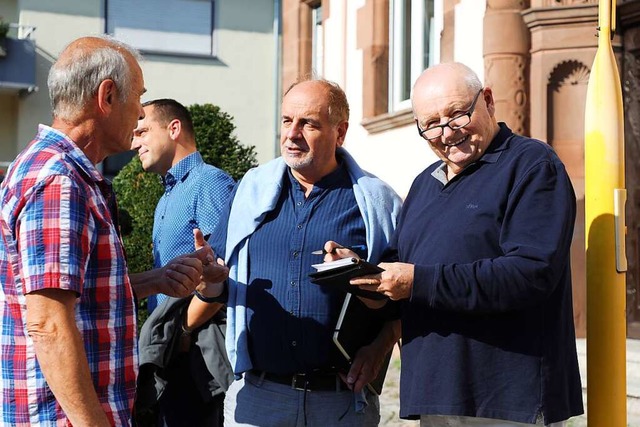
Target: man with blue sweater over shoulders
[[483, 275], [190, 392], [280, 325]]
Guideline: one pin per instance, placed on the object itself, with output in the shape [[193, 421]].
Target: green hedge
[[138, 192]]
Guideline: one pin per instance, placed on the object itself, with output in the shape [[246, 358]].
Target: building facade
[[535, 54], [221, 52]]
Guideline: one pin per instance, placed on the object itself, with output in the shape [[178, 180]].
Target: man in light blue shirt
[[195, 194]]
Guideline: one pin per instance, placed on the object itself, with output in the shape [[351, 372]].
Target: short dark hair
[[166, 109], [338, 104]]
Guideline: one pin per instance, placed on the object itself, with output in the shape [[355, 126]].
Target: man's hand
[[336, 251], [178, 278], [213, 273], [370, 358], [182, 274], [365, 367], [396, 281]]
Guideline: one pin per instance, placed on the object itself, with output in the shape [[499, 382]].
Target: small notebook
[[335, 264], [338, 273]]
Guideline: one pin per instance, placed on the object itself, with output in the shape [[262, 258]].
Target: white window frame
[[317, 41], [397, 98]]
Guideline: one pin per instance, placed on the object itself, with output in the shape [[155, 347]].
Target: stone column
[[296, 38], [563, 45], [506, 61], [373, 39]]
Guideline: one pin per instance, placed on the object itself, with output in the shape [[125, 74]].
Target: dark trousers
[[182, 404]]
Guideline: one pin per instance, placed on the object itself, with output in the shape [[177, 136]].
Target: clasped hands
[[396, 281], [198, 270]]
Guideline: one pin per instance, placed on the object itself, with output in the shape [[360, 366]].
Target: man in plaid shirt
[[68, 343]]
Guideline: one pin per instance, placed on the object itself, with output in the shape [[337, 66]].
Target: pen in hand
[[351, 248]]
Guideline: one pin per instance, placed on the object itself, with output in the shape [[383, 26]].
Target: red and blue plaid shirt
[[58, 232]]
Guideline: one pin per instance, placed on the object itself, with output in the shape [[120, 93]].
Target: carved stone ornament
[[569, 72]]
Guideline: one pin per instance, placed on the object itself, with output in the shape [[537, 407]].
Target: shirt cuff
[[424, 285]]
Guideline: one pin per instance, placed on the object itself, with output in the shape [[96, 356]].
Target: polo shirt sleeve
[[215, 189], [53, 234], [535, 240]]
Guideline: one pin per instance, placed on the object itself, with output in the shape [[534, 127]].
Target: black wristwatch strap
[[208, 300]]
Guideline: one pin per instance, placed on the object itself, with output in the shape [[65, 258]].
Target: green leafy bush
[[138, 192], [216, 142], [5, 26]]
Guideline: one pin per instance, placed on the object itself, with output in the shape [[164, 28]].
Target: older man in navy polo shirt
[[280, 324], [484, 277]]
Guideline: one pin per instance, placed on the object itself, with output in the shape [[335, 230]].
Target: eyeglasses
[[457, 122]]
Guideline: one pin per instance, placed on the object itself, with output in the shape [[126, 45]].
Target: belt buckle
[[299, 382]]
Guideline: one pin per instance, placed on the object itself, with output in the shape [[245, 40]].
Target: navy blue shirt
[[195, 194], [488, 330], [291, 320]]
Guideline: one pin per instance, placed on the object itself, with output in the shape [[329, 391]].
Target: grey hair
[[75, 77], [338, 104], [473, 81]]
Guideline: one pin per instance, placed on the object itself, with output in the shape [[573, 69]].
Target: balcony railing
[[18, 66]]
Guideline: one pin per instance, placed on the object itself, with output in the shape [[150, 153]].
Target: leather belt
[[314, 381]]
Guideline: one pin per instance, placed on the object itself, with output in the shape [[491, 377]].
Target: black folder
[[336, 274], [358, 326]]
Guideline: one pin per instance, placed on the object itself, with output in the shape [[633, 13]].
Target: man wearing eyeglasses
[[484, 278]]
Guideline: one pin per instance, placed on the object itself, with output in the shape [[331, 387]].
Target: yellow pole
[[605, 197]]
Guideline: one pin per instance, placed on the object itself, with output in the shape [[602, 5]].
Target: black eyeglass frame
[[468, 113]]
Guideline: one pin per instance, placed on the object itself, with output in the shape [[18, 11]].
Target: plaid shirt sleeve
[[53, 234]]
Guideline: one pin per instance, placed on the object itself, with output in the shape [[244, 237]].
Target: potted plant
[[4, 30]]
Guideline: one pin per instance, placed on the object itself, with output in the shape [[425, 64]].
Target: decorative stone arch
[[571, 71], [566, 98]]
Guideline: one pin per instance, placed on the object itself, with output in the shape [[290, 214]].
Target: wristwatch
[[208, 300], [183, 326]]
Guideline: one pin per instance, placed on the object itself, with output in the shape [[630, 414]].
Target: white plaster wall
[[395, 156], [8, 101], [336, 40], [398, 155], [467, 45], [241, 80], [55, 27]]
